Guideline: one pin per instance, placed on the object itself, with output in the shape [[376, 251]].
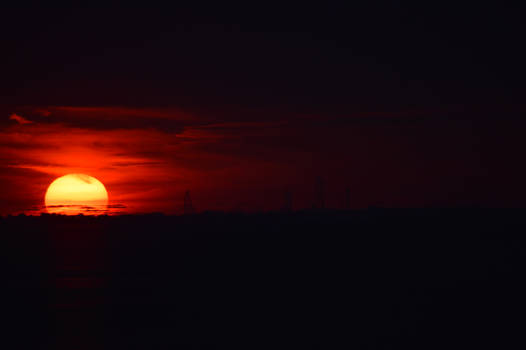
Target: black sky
[[374, 57]]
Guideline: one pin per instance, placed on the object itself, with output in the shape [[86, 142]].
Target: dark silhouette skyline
[[377, 278]]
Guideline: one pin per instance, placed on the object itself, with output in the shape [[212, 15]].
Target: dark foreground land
[[378, 279]]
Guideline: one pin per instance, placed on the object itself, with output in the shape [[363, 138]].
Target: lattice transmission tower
[[188, 207]]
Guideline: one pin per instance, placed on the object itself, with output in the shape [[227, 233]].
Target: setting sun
[[76, 194]]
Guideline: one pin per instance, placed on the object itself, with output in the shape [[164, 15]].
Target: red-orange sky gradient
[[242, 104], [148, 157]]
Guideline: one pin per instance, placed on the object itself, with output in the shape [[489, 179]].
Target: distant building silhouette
[[319, 199], [188, 207]]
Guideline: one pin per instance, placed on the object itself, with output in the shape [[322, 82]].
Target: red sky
[[393, 104], [404, 104], [148, 157]]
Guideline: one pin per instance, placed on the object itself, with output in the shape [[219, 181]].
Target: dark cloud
[[106, 118], [133, 164]]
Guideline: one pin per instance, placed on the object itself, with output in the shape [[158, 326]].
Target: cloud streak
[[19, 119], [168, 120]]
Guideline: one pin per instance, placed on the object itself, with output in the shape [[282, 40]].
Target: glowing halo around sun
[[74, 194]]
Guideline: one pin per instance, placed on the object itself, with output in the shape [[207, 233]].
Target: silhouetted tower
[[319, 200], [347, 199], [287, 204], [188, 207]]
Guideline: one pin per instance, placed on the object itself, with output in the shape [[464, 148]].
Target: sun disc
[[76, 194]]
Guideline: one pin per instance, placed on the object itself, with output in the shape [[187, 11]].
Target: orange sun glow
[[74, 194]]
